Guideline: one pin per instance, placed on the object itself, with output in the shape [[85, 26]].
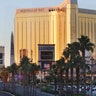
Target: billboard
[[46, 53], [45, 65]]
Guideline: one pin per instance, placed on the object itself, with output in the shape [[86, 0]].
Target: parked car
[[88, 92]]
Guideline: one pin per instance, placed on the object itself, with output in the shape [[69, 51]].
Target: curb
[[8, 93]]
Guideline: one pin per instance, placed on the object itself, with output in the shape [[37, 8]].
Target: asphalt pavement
[[2, 93]]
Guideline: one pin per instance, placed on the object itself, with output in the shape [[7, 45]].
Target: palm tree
[[13, 69], [24, 66], [74, 60], [85, 44], [61, 67], [67, 66], [71, 53], [33, 70], [54, 75], [68, 54], [78, 65]]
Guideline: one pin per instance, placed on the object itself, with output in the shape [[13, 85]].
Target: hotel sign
[[47, 48], [30, 10]]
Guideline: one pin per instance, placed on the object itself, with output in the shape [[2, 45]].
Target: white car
[[88, 92]]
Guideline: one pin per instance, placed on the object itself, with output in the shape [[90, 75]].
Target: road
[[20, 90], [2, 93]]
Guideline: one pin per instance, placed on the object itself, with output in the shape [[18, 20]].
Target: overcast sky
[[7, 13]]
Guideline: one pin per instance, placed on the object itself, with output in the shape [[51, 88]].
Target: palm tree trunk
[[77, 80], [34, 85], [25, 82], [67, 82], [84, 69], [61, 83], [13, 82], [55, 83], [72, 81], [24, 90], [84, 80]]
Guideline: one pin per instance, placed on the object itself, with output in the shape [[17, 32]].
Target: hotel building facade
[[56, 25]]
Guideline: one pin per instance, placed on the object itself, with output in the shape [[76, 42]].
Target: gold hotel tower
[[57, 25]]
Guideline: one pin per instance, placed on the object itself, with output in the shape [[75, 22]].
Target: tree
[[48, 79], [85, 44], [74, 60], [54, 75], [60, 68], [57, 71], [33, 71], [24, 67], [13, 69], [4, 74], [71, 54]]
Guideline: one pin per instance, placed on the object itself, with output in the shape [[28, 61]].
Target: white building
[[2, 51]]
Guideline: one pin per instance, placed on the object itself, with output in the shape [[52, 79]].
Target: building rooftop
[[60, 7], [87, 11]]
